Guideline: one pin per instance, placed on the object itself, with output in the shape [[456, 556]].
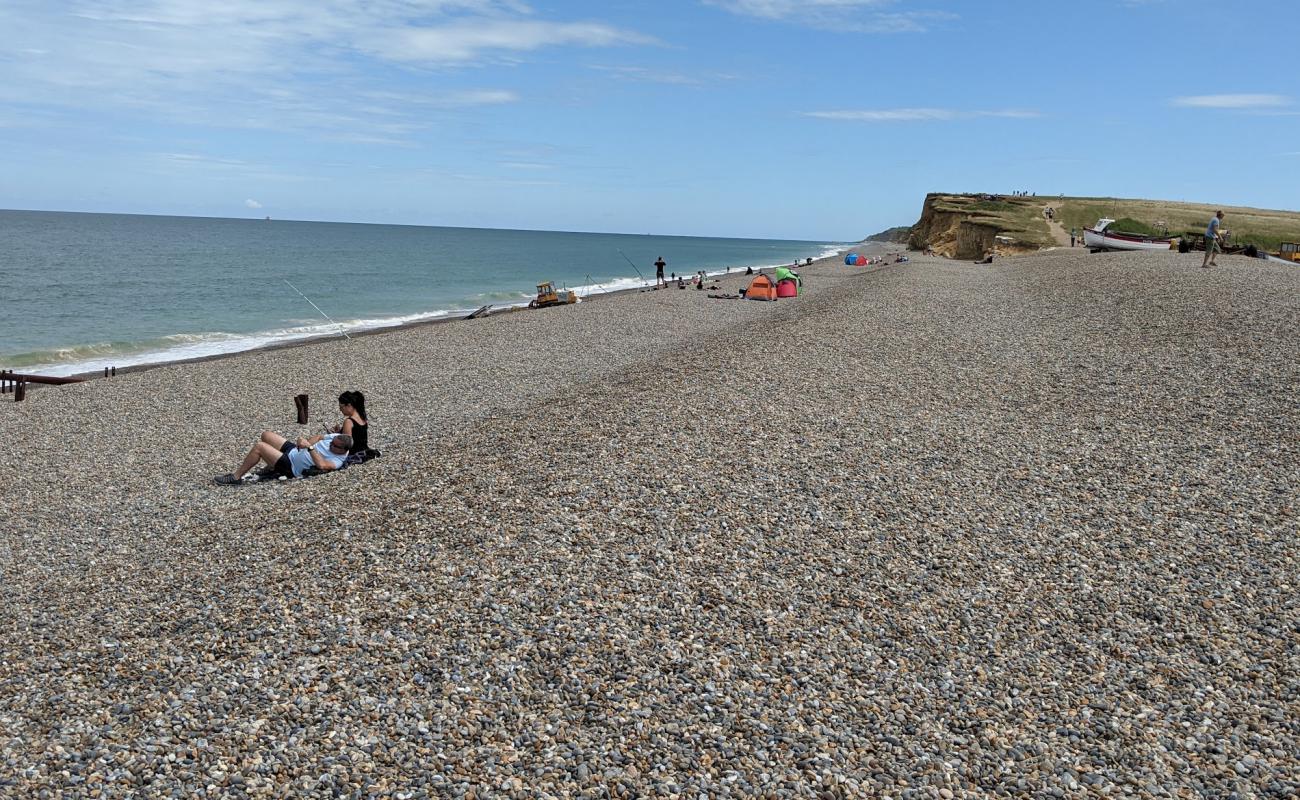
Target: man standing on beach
[[1072, 236], [659, 271], [1212, 240]]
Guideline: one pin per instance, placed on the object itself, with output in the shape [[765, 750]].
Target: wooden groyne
[[16, 382]]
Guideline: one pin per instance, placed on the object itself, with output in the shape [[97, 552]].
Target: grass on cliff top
[[1021, 218], [1262, 227], [1130, 225]]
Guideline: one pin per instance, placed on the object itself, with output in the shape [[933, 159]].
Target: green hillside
[[1021, 218], [1262, 227]]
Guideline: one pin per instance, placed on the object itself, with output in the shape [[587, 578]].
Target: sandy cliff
[[953, 234]]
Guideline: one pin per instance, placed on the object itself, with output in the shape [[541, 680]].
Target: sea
[[80, 292]]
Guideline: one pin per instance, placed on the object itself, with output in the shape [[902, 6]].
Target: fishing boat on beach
[[1101, 237]]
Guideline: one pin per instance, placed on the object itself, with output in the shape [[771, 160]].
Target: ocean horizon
[[90, 290]]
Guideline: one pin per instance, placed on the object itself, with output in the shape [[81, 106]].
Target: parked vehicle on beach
[[1289, 251], [548, 295], [1100, 237]]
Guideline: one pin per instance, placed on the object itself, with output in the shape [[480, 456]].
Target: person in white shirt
[[1212, 237], [291, 459]]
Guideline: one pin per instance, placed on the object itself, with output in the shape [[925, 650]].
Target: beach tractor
[[1289, 251], [547, 295]]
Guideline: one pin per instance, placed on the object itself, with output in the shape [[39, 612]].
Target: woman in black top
[[352, 405]]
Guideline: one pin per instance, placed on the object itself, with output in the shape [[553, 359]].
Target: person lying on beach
[[352, 405], [291, 459]]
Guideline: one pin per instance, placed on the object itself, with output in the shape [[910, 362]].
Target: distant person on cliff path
[[1212, 241], [659, 272], [1072, 236]]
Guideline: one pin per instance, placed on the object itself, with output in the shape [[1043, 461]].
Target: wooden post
[[20, 392], [300, 401]]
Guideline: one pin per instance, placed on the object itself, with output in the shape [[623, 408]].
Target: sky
[[804, 119]]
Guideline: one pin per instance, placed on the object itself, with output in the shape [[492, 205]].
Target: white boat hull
[[1105, 240]]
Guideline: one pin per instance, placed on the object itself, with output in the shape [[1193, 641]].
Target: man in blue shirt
[[1212, 240], [291, 459]]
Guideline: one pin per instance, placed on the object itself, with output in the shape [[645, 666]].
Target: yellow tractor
[[548, 296], [1289, 251]]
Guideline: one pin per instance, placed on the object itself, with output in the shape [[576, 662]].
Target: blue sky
[[821, 119]]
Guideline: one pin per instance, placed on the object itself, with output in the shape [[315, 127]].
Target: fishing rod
[[313, 305], [628, 260]]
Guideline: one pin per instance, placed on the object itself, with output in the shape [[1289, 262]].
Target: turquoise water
[[84, 291]]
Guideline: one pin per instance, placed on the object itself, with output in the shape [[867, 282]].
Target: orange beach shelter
[[761, 288]]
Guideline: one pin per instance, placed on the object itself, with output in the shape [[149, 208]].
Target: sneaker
[[227, 480]]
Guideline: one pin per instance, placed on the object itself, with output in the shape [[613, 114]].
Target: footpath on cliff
[[1059, 233]]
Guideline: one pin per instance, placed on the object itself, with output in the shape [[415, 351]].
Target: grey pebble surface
[[931, 530]]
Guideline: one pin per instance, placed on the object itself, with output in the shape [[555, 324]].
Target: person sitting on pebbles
[[291, 459], [352, 405]]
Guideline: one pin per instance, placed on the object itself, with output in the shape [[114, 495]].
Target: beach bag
[[761, 288], [361, 457]]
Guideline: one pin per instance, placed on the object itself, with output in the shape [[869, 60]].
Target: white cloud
[[192, 165], [287, 65], [670, 77], [858, 16], [917, 114], [1233, 101], [499, 181], [252, 203], [481, 97], [193, 159], [782, 9], [475, 39]]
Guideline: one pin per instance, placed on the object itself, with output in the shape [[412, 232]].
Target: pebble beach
[[931, 530]]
